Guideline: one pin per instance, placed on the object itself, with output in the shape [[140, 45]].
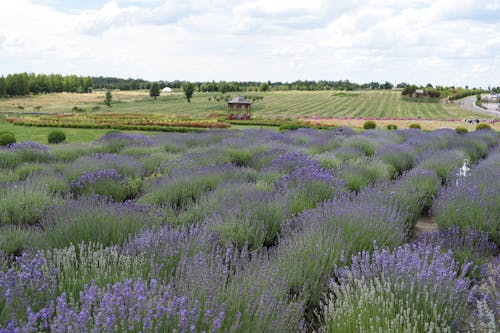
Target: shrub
[[461, 130], [13, 240], [471, 202], [391, 127], [421, 282], [94, 220], [415, 126], [18, 153], [368, 125], [289, 127], [23, 204], [6, 138], [104, 182], [56, 136], [365, 144], [249, 217], [363, 171], [29, 169], [78, 109], [400, 157], [482, 126], [444, 162], [330, 232]]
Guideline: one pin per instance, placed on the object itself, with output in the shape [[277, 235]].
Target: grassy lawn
[[337, 104], [39, 134], [280, 103]]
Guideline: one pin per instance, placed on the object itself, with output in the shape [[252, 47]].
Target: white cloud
[[418, 41]]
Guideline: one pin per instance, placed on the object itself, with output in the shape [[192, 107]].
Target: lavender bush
[[27, 284], [330, 232], [125, 165], [94, 219], [239, 231], [249, 217], [365, 171], [307, 186], [24, 203], [129, 306], [471, 202], [467, 245], [113, 142], [413, 288], [400, 157], [21, 152]]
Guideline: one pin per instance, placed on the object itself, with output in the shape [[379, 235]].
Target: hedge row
[[117, 127]]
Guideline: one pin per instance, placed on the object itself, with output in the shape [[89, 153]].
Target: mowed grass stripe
[[378, 104]]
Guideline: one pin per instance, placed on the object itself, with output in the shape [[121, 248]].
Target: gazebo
[[238, 108]]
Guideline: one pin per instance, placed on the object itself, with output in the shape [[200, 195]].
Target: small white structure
[[464, 171], [167, 90]]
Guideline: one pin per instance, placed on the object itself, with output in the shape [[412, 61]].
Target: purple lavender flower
[[27, 145], [92, 177]]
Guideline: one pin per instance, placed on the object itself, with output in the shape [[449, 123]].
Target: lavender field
[[252, 231]]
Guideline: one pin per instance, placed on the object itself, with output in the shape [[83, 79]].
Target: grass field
[[39, 134], [280, 103], [338, 104]]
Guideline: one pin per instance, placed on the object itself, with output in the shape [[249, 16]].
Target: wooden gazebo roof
[[238, 108], [239, 101]]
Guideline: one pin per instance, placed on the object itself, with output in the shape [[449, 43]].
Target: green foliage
[[28, 169], [181, 192], [6, 138], [365, 144], [24, 204], [369, 124], [378, 305], [239, 157], [154, 91], [117, 127], [461, 130], [415, 126], [391, 127], [188, 91], [108, 98], [251, 224], [78, 109], [56, 136], [14, 239], [91, 220], [289, 127], [364, 171], [264, 86], [309, 195], [81, 264], [444, 167], [482, 126], [118, 191]]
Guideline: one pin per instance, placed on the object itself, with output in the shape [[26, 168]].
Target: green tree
[[3, 90], [154, 91], [188, 91], [108, 99], [264, 86]]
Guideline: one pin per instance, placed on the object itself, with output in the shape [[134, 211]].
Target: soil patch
[[426, 224]]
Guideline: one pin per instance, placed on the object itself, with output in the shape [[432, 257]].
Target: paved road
[[468, 103]]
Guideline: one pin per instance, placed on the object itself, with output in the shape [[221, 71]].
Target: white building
[[167, 90]]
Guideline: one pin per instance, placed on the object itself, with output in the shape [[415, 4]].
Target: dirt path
[[426, 224]]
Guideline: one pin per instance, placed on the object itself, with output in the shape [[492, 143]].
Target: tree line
[[453, 93], [21, 84]]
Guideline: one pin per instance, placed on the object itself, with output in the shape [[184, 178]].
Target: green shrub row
[[118, 127]]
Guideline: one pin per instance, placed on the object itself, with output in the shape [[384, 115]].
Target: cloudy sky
[[446, 42]]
